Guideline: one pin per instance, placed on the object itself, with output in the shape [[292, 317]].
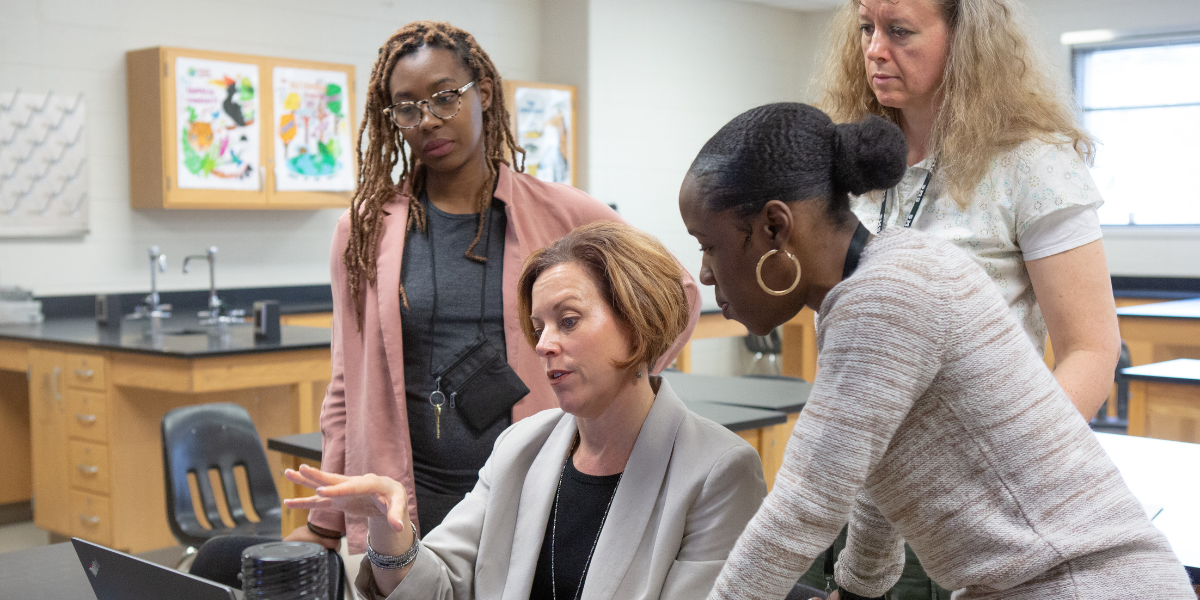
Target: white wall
[[72, 46], [664, 77], [1131, 251]]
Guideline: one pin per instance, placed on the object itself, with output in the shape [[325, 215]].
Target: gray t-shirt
[[446, 468]]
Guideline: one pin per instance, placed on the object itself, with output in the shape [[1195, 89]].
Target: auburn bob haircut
[[636, 275]]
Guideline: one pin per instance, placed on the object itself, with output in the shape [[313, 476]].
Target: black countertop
[[180, 336], [734, 418], [784, 394], [303, 445]]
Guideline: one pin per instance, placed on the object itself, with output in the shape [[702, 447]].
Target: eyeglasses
[[443, 105]]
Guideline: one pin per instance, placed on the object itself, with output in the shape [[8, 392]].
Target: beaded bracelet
[[392, 563]]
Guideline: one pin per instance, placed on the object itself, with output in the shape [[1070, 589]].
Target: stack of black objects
[[285, 571]]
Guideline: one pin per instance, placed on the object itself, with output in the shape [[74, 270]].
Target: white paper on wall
[[311, 131], [43, 165], [216, 122]]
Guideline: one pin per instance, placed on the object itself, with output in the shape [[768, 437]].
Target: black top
[[446, 468], [181, 336], [583, 499]]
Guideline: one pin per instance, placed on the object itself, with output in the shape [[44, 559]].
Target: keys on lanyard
[[438, 400]]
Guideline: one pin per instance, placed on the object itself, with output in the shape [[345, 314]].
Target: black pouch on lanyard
[[481, 385]]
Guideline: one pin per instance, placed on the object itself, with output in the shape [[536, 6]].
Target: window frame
[[1121, 40]]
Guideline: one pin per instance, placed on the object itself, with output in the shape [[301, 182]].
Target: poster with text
[[544, 130], [312, 131], [216, 117]]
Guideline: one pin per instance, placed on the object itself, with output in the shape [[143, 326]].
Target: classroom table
[[1164, 400], [755, 425], [784, 394], [1161, 332], [1158, 472], [1162, 474]]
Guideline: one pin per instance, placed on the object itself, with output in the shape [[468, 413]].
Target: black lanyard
[[854, 252], [916, 207], [487, 242]]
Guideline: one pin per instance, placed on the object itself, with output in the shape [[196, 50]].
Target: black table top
[[784, 394], [1180, 309], [1181, 370], [44, 572], [735, 418], [179, 336], [303, 445]]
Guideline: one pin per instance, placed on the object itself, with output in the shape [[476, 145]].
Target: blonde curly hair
[[996, 90]]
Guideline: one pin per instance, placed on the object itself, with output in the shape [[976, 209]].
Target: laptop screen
[[119, 576]]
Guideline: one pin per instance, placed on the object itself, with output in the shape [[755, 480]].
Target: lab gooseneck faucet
[[214, 303]]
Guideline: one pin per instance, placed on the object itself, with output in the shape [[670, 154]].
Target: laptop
[[119, 576]]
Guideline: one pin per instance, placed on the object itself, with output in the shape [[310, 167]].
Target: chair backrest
[[197, 439]]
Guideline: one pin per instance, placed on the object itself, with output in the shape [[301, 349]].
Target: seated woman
[[552, 514], [932, 418]]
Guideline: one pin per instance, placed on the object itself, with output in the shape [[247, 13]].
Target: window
[[1142, 102]]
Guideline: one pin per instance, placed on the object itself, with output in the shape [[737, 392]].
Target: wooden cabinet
[[48, 431], [157, 136], [94, 428]]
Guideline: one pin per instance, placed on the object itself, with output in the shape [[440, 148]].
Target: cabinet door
[[48, 424]]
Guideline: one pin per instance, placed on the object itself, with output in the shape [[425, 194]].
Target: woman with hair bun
[[932, 418]]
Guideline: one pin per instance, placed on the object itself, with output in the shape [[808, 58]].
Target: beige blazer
[[689, 489]]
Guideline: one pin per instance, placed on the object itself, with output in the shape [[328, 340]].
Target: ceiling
[[800, 5]]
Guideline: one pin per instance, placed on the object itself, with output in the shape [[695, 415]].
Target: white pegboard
[[43, 165]]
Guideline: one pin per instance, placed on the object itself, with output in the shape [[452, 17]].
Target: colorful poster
[[544, 130], [216, 112], [312, 131]]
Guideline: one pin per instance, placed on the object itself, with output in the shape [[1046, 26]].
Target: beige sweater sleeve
[[880, 339], [873, 558]]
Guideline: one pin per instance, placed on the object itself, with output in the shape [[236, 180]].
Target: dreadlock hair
[[385, 148]]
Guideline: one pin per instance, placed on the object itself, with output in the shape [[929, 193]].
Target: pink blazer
[[364, 421]]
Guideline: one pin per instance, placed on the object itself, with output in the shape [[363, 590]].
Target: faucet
[[216, 313], [214, 303], [152, 308]]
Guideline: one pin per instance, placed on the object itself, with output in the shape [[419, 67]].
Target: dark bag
[[481, 385]]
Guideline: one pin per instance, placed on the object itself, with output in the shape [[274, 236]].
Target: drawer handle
[[85, 373], [87, 469], [86, 520], [89, 419]]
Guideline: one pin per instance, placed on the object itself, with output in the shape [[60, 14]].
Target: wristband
[[392, 563], [328, 534]]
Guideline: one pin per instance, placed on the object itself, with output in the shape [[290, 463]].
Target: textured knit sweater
[[934, 421]]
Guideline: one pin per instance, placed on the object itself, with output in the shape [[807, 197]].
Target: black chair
[[197, 439], [803, 592], [220, 560], [1119, 424]]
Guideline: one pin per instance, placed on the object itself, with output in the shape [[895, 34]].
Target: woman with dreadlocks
[[428, 361]]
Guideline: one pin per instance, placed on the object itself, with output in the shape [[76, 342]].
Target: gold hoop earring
[[762, 284]]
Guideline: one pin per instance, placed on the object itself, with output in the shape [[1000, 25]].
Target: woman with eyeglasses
[[428, 361]]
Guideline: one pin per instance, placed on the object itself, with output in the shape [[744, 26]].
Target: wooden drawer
[[87, 415], [91, 517], [89, 466], [85, 371]]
